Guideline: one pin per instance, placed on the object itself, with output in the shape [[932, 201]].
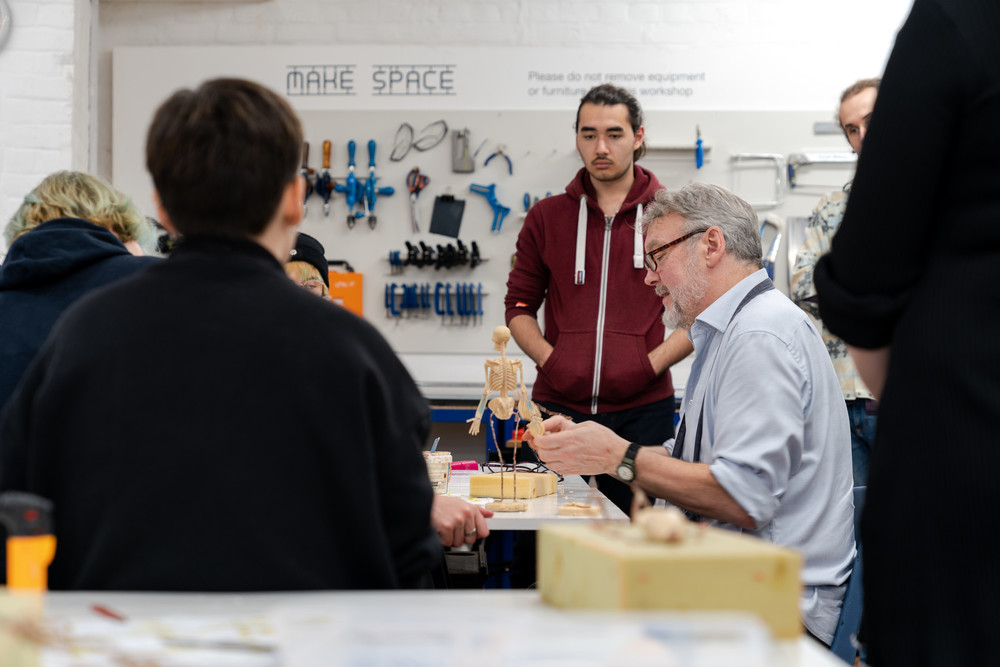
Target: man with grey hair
[[763, 446]]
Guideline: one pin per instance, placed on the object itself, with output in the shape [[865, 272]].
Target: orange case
[[346, 290]]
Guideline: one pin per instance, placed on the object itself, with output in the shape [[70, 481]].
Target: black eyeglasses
[[650, 263]]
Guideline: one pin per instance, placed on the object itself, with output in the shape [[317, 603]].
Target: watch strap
[[630, 454]]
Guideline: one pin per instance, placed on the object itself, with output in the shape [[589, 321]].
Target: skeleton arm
[[526, 409], [477, 420]]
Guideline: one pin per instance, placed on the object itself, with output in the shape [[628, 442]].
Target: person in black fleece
[[72, 234], [198, 468]]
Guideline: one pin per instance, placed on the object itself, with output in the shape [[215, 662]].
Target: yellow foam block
[[600, 567], [529, 485], [20, 615]]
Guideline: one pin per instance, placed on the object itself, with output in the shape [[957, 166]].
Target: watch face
[[625, 473]]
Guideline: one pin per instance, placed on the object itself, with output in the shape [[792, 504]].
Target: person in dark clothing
[[204, 469], [72, 234], [910, 284], [308, 267]]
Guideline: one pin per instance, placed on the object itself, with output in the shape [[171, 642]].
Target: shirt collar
[[720, 312]]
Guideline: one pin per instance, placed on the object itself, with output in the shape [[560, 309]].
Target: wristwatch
[[626, 469]]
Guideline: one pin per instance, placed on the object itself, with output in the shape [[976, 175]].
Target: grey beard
[[686, 298]]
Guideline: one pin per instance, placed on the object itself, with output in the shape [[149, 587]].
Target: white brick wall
[[36, 97]]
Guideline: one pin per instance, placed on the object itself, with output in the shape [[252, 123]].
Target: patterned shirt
[[823, 224]]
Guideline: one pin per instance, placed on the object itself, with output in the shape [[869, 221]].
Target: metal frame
[[780, 167]]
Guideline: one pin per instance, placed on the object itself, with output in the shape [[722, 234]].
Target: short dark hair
[[222, 155], [609, 95]]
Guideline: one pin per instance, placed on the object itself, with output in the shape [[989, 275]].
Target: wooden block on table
[[605, 567], [529, 485]]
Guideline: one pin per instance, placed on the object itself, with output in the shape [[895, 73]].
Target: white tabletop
[[439, 628], [539, 510]]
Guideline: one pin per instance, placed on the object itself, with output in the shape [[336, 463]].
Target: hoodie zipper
[[601, 306]]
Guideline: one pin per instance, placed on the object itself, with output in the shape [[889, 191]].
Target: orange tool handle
[[28, 559], [327, 149]]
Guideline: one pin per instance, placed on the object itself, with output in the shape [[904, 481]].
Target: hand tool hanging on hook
[[699, 151], [416, 182], [324, 182], [351, 189], [501, 152], [371, 191], [307, 174]]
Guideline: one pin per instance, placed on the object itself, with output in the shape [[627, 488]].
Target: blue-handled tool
[[370, 190], [392, 301], [438, 309], [447, 301], [699, 151], [500, 151], [499, 211], [479, 298], [351, 189]]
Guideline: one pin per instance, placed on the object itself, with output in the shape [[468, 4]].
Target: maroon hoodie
[[606, 319]]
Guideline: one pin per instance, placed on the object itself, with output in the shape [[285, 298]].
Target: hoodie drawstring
[[579, 275], [581, 241], [637, 253]]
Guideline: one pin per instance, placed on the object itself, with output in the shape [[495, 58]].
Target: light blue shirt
[[776, 436]]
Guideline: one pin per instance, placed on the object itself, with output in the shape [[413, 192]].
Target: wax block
[[604, 567], [529, 485]]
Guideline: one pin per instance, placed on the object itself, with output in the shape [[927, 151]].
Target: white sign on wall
[[503, 78]]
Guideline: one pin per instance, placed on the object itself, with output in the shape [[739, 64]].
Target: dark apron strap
[[763, 286]]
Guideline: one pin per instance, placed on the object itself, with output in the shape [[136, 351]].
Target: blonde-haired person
[[72, 234], [74, 194]]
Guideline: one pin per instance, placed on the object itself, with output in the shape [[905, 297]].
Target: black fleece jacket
[[207, 425]]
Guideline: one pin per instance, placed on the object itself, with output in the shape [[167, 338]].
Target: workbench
[[439, 628], [539, 510]]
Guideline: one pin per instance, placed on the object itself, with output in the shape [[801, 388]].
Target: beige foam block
[[598, 567], [20, 629], [529, 485]]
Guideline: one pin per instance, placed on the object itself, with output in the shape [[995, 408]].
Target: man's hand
[[457, 521], [586, 448]]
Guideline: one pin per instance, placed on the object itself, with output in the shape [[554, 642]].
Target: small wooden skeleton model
[[505, 376]]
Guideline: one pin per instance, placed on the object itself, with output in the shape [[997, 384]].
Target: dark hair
[[222, 155], [609, 95]]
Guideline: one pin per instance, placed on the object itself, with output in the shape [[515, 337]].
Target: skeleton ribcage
[[503, 377]]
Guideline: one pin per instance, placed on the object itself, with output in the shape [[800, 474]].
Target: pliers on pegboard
[[500, 151]]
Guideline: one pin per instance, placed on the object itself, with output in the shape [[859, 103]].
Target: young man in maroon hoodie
[[602, 356]]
